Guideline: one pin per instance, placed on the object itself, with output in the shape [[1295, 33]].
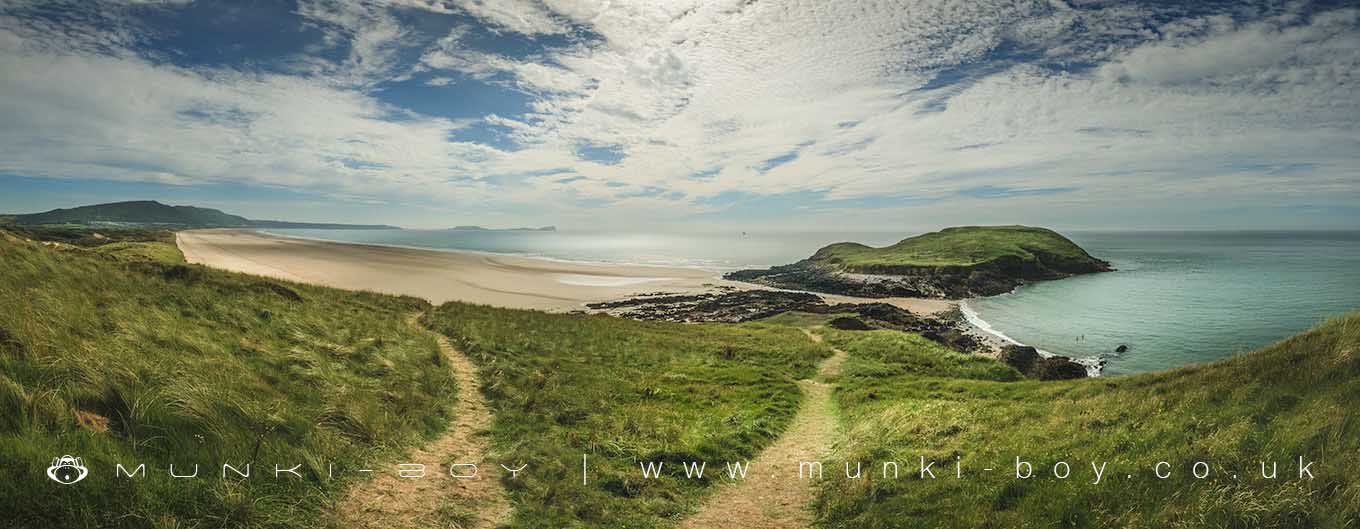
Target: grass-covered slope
[[141, 361], [623, 391], [956, 262], [959, 246], [136, 211], [904, 398]]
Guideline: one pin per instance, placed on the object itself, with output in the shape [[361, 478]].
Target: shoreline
[[441, 275], [537, 257], [437, 276], [997, 339]]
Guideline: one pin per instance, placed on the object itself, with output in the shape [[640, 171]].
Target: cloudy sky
[[690, 114]]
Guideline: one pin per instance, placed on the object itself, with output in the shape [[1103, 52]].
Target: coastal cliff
[[953, 263]]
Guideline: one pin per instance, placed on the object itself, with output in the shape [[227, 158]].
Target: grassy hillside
[[121, 243], [138, 211], [624, 391], [140, 361], [960, 246], [905, 398]]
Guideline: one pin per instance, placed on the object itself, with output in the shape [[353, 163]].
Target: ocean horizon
[[1176, 297]]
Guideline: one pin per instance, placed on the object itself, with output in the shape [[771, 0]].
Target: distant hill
[[479, 228], [955, 263], [150, 212]]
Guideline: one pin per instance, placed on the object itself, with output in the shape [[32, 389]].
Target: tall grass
[[128, 359], [904, 399], [622, 392]]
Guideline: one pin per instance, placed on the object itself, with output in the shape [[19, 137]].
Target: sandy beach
[[440, 276], [437, 276]]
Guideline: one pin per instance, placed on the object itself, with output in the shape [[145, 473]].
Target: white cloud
[[922, 99]]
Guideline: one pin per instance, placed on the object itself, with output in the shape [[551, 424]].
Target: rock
[[849, 324], [735, 306], [1122, 348], [1021, 357], [1057, 368], [1029, 362]]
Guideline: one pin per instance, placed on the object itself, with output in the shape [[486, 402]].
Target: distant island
[[953, 263], [479, 228], [152, 213]]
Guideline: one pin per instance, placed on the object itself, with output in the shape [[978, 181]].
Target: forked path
[[772, 496], [437, 499]]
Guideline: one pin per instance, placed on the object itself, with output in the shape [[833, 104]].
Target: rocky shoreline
[[733, 305]]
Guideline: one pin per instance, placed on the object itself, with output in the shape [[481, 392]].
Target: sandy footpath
[[439, 276]]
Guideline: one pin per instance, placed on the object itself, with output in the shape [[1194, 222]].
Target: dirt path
[[437, 500], [772, 496]]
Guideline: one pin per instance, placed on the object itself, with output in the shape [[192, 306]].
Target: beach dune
[[437, 276]]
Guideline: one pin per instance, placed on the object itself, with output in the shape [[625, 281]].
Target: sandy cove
[[440, 276]]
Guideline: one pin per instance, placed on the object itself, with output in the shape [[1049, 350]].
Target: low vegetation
[[905, 398], [624, 392], [959, 246], [113, 350], [115, 354]]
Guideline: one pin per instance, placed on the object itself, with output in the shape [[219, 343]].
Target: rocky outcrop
[[1029, 362], [950, 282], [735, 306]]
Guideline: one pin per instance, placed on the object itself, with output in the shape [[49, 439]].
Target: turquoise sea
[[1177, 297]]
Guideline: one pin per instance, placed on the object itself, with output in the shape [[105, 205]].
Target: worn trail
[[772, 496], [437, 500]]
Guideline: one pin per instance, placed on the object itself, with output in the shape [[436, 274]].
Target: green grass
[[148, 251], [960, 246], [623, 391], [905, 398], [189, 365], [166, 363]]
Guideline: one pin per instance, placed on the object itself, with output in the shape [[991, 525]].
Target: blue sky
[[690, 114]]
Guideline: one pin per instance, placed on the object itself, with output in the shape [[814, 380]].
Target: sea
[[1176, 298]]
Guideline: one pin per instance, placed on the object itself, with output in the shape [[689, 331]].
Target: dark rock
[[1021, 357], [849, 324], [1122, 348], [1028, 361], [1057, 368], [730, 307], [735, 306]]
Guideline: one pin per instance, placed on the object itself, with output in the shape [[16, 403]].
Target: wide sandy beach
[[439, 276]]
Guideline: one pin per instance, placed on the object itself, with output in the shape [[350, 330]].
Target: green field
[[959, 246], [624, 391], [904, 398]]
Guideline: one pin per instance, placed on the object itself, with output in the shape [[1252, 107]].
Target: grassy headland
[[622, 391], [959, 246], [113, 354], [903, 398], [952, 263]]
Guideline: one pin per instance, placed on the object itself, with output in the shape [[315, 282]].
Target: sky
[[690, 114]]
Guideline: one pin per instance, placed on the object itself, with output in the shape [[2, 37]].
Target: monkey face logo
[[67, 470]]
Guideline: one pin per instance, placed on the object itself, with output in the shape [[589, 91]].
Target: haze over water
[[1177, 297]]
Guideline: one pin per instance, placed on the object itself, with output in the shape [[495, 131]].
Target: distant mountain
[[479, 228], [150, 212]]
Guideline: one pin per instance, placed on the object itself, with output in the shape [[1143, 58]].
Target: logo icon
[[67, 470]]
